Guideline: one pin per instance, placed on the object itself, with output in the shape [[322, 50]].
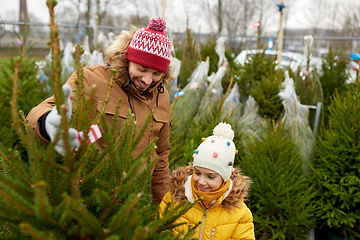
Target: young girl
[[222, 211]]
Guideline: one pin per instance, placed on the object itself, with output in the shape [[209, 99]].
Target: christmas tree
[[336, 167], [31, 90], [333, 78], [280, 198], [85, 194], [306, 81]]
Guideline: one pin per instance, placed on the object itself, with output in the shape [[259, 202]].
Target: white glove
[[53, 121]]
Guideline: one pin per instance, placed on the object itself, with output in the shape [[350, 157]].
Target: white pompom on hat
[[217, 152]]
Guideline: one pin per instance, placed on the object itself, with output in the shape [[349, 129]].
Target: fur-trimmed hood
[[238, 193]]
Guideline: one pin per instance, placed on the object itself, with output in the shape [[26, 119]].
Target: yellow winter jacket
[[227, 218]]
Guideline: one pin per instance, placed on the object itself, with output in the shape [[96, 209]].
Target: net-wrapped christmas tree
[[232, 105], [213, 94], [186, 102], [306, 81], [296, 120]]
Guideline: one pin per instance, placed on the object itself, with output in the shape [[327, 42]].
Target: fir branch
[[130, 147], [146, 154], [133, 174], [13, 201], [35, 170], [65, 127], [84, 215], [12, 215], [36, 234], [108, 202], [16, 167], [137, 219], [43, 208], [124, 129], [64, 217], [31, 138], [132, 224], [13, 185], [74, 187], [60, 188], [107, 140], [113, 200], [102, 197], [116, 119], [141, 134], [54, 46], [3, 163], [83, 142], [95, 171], [49, 162], [13, 103], [115, 225], [107, 98], [104, 160], [166, 221], [79, 82]]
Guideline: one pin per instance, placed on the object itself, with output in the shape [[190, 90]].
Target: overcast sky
[[9, 10]]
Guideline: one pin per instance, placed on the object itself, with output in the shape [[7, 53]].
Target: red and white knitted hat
[[150, 47]]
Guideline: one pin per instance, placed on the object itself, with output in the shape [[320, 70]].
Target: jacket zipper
[[203, 224], [212, 233]]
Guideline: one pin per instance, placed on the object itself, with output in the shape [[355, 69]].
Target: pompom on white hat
[[217, 152]]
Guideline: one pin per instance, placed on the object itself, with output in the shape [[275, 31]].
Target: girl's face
[[143, 77], [206, 180]]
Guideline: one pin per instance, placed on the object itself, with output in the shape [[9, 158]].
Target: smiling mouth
[[141, 84], [202, 189]]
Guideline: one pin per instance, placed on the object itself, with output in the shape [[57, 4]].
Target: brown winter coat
[[156, 101], [227, 218]]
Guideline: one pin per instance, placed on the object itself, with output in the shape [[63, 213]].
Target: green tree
[[252, 71], [336, 167], [280, 197], [333, 76], [188, 52], [30, 89], [308, 88], [266, 93]]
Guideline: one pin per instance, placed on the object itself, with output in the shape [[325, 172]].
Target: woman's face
[[143, 77], [206, 180]]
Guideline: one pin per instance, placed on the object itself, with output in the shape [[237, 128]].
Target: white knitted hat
[[217, 152]]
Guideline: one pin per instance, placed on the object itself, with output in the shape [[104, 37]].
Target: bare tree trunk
[[220, 16], [88, 12]]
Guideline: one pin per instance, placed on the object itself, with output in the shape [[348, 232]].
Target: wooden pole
[[22, 14], [258, 38], [280, 35], [163, 9]]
